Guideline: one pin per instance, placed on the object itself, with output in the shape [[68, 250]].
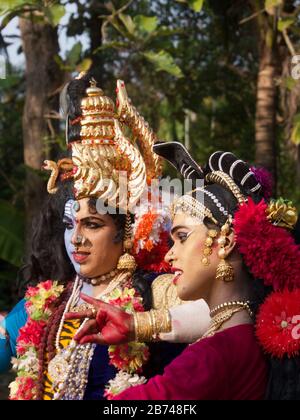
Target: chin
[[86, 273], [184, 294], [187, 294]]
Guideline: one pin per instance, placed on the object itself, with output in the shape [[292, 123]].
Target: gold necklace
[[60, 367], [230, 304], [223, 313]]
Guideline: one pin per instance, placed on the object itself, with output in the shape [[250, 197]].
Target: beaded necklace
[[72, 363], [223, 312]]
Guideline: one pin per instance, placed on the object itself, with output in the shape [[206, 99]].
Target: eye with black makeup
[[68, 223], [182, 236], [92, 225]]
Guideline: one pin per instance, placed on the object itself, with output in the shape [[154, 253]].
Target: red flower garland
[[154, 260], [278, 324], [270, 252]]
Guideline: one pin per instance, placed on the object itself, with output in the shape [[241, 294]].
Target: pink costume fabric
[[227, 366]]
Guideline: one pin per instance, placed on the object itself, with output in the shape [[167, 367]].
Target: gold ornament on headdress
[[188, 204], [105, 164], [145, 135], [282, 213], [223, 179], [102, 155]]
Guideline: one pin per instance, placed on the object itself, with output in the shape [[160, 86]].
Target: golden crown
[[103, 154]]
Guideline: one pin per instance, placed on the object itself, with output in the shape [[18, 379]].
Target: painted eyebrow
[[90, 218], [67, 219], [175, 228]]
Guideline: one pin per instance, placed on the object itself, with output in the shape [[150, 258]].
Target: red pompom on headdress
[[269, 251], [278, 324], [265, 179]]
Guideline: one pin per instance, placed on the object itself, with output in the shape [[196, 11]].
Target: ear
[[230, 244]]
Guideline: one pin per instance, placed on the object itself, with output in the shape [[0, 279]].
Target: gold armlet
[[148, 325]]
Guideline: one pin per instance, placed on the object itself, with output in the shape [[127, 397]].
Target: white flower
[[29, 362], [124, 380], [15, 363], [13, 386]]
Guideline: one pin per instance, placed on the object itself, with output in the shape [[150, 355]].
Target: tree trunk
[[266, 105], [43, 79], [94, 27]]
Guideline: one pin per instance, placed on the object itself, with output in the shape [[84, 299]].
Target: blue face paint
[[70, 221]]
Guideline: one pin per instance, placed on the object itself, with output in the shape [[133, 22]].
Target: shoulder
[[15, 320], [18, 315], [164, 292], [238, 344]]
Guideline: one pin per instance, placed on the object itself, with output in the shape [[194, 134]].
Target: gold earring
[[225, 270], [208, 246], [126, 261]]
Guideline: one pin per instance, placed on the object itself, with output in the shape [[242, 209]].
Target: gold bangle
[[135, 322], [148, 325], [143, 326]]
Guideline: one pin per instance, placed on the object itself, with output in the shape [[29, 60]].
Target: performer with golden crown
[[85, 241]]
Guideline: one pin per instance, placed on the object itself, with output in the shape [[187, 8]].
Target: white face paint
[[70, 222]]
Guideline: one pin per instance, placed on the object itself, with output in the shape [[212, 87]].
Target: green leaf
[[271, 4], [56, 13], [15, 6], [295, 136], [290, 83], [196, 5], [146, 23], [128, 23], [114, 44], [284, 24], [11, 234], [11, 4], [163, 61], [74, 55], [84, 65], [7, 18]]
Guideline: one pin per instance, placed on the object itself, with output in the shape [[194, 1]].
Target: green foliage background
[[178, 59]]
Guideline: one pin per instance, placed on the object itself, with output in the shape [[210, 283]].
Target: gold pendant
[[58, 367]]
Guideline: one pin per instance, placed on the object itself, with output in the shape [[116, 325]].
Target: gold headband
[[188, 204], [223, 179]]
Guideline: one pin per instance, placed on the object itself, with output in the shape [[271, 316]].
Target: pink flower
[[26, 389], [137, 306], [30, 335], [32, 291], [46, 284], [284, 321], [108, 394]]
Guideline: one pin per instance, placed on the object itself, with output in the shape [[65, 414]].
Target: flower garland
[[39, 301], [151, 237], [269, 251], [128, 358]]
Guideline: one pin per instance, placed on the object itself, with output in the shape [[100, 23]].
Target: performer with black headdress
[[230, 242]]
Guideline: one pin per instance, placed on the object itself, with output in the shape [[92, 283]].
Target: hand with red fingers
[[107, 324]]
